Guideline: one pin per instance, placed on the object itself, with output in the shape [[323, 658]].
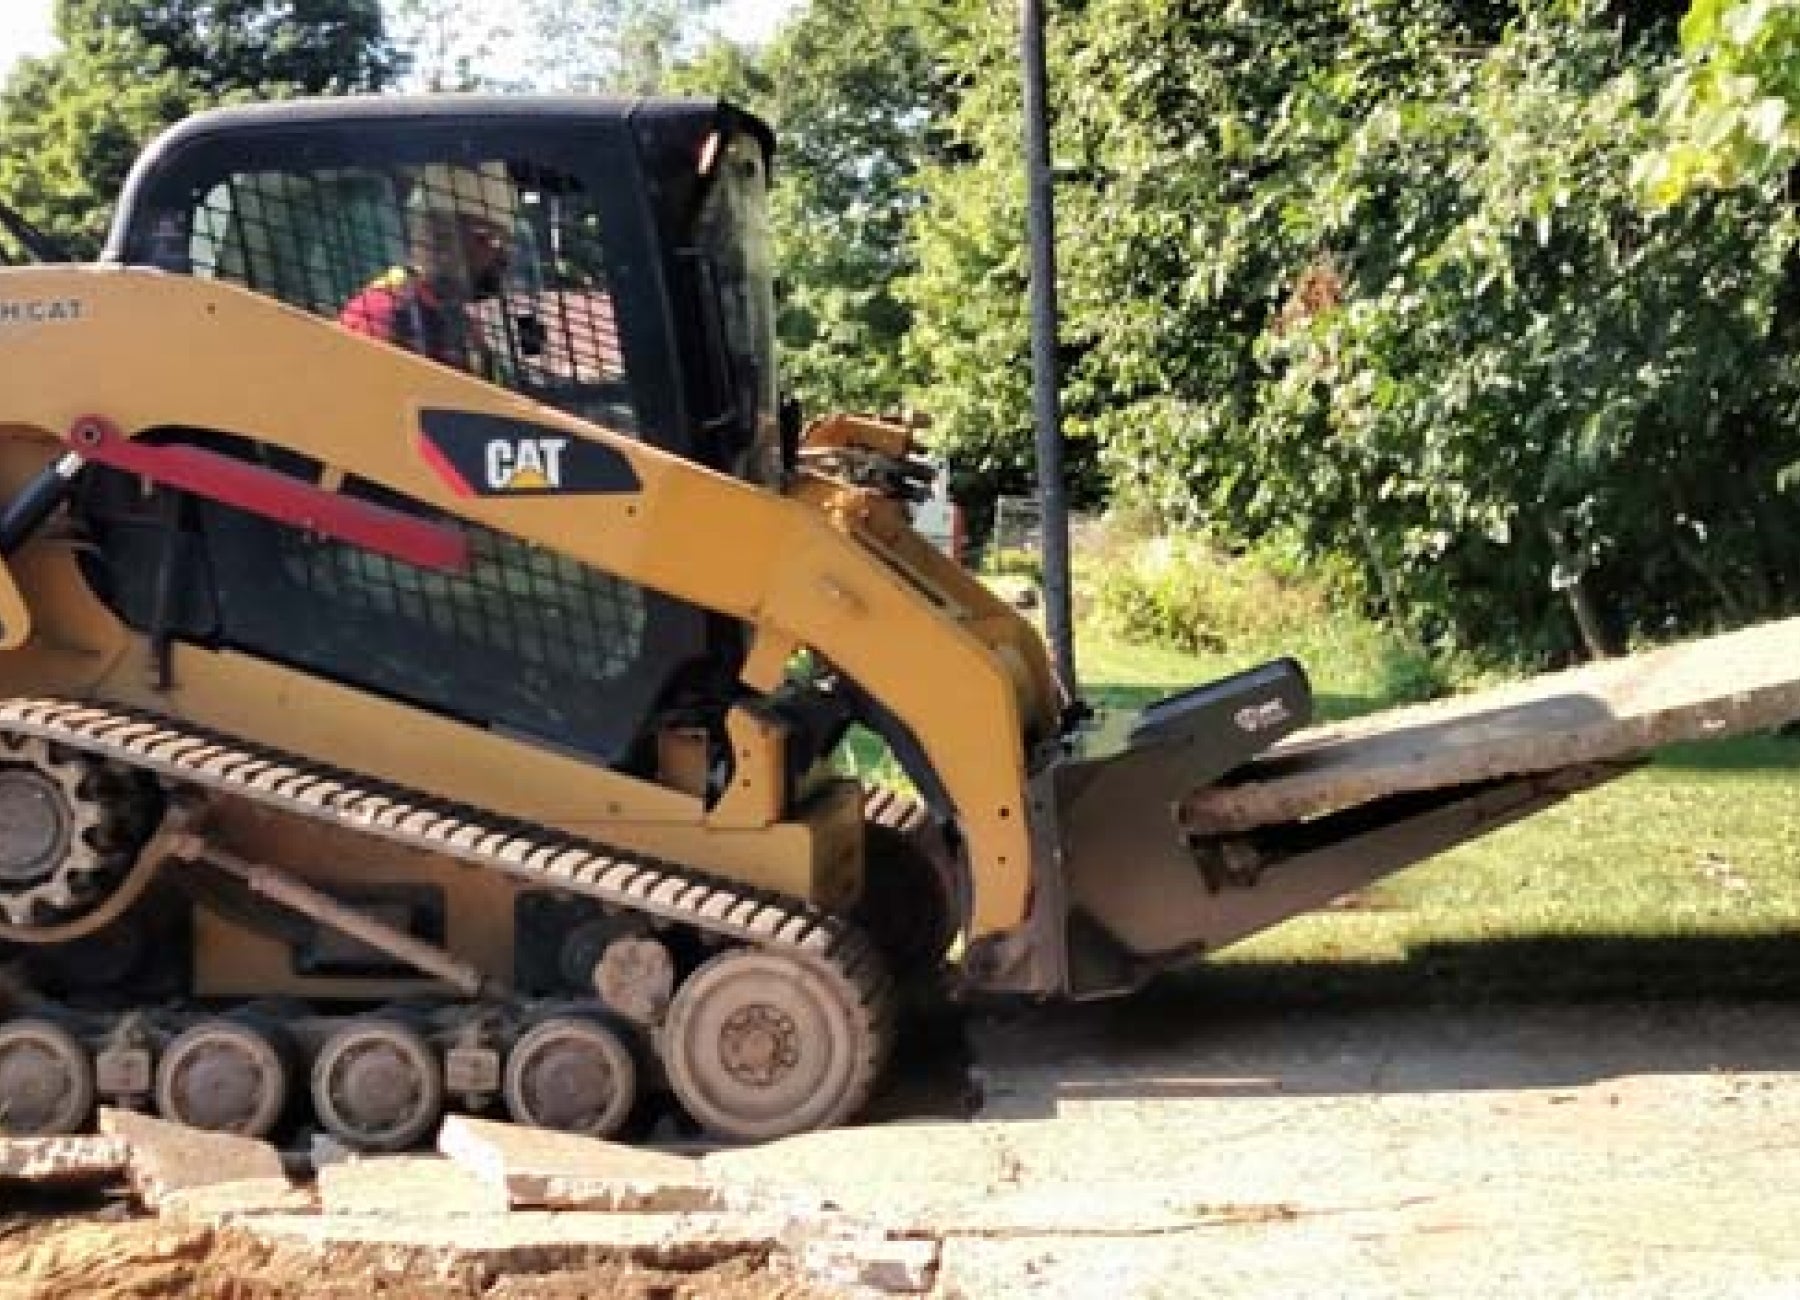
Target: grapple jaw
[[1189, 837], [1110, 858]]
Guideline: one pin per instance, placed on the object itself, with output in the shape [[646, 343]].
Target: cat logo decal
[[481, 455], [525, 464]]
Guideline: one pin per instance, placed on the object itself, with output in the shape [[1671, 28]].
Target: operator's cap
[[485, 191]]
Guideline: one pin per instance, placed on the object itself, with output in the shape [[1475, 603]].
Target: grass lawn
[[1683, 877]]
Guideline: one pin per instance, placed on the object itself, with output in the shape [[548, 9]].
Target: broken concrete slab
[[540, 1169], [871, 1261], [533, 1241], [166, 1158], [60, 1162], [223, 1203], [406, 1185], [1707, 689]]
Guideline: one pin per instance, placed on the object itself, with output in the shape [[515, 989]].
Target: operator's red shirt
[[399, 307]]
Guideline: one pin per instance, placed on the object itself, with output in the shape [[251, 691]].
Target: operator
[[454, 260]]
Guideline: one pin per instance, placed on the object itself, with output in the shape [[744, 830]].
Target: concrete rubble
[[533, 1241], [58, 1162], [405, 1186], [873, 1262], [167, 1158], [541, 1170], [1730, 685], [498, 1197], [235, 1201], [1395, 1152]]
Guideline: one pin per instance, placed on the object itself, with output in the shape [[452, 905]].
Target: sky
[[25, 24]]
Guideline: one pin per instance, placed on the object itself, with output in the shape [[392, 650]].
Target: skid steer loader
[[419, 681]]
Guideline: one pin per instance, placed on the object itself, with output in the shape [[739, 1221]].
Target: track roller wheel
[[377, 1085], [571, 1074], [760, 1045], [46, 1080], [223, 1075]]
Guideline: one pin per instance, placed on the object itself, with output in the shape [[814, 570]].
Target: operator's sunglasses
[[479, 231]]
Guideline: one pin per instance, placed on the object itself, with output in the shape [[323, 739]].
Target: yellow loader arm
[[15, 616], [965, 677]]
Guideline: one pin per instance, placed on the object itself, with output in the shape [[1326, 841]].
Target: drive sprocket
[[66, 833]]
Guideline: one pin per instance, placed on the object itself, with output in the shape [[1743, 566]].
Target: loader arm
[[139, 350]]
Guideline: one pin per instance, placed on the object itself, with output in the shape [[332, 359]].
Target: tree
[[72, 123], [1531, 394], [70, 126], [1733, 108], [611, 46], [969, 345], [448, 45], [227, 47], [1181, 135], [860, 92], [726, 69], [1373, 277]]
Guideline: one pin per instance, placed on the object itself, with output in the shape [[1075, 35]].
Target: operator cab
[[627, 281], [637, 290]]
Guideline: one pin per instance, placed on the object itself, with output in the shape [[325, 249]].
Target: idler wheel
[[225, 1076], [46, 1080], [377, 1085], [571, 1074], [759, 1045], [908, 904]]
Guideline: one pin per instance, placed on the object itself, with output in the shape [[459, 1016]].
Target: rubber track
[[898, 812], [539, 855]]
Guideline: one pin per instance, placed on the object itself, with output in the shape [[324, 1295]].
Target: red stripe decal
[[276, 496], [434, 457]]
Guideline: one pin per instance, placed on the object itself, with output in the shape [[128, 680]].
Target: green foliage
[[72, 123], [725, 69], [1733, 108], [858, 90], [1519, 382], [622, 47], [608, 46], [1376, 277], [970, 345], [1012, 562], [227, 47], [1184, 594], [70, 126], [450, 45], [1187, 595]]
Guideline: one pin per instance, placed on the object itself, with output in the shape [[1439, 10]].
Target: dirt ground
[[1174, 1147], [97, 1256]]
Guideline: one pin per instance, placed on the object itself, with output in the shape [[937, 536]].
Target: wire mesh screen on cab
[[497, 268], [526, 640]]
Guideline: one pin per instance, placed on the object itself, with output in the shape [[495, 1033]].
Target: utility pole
[[1046, 392]]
